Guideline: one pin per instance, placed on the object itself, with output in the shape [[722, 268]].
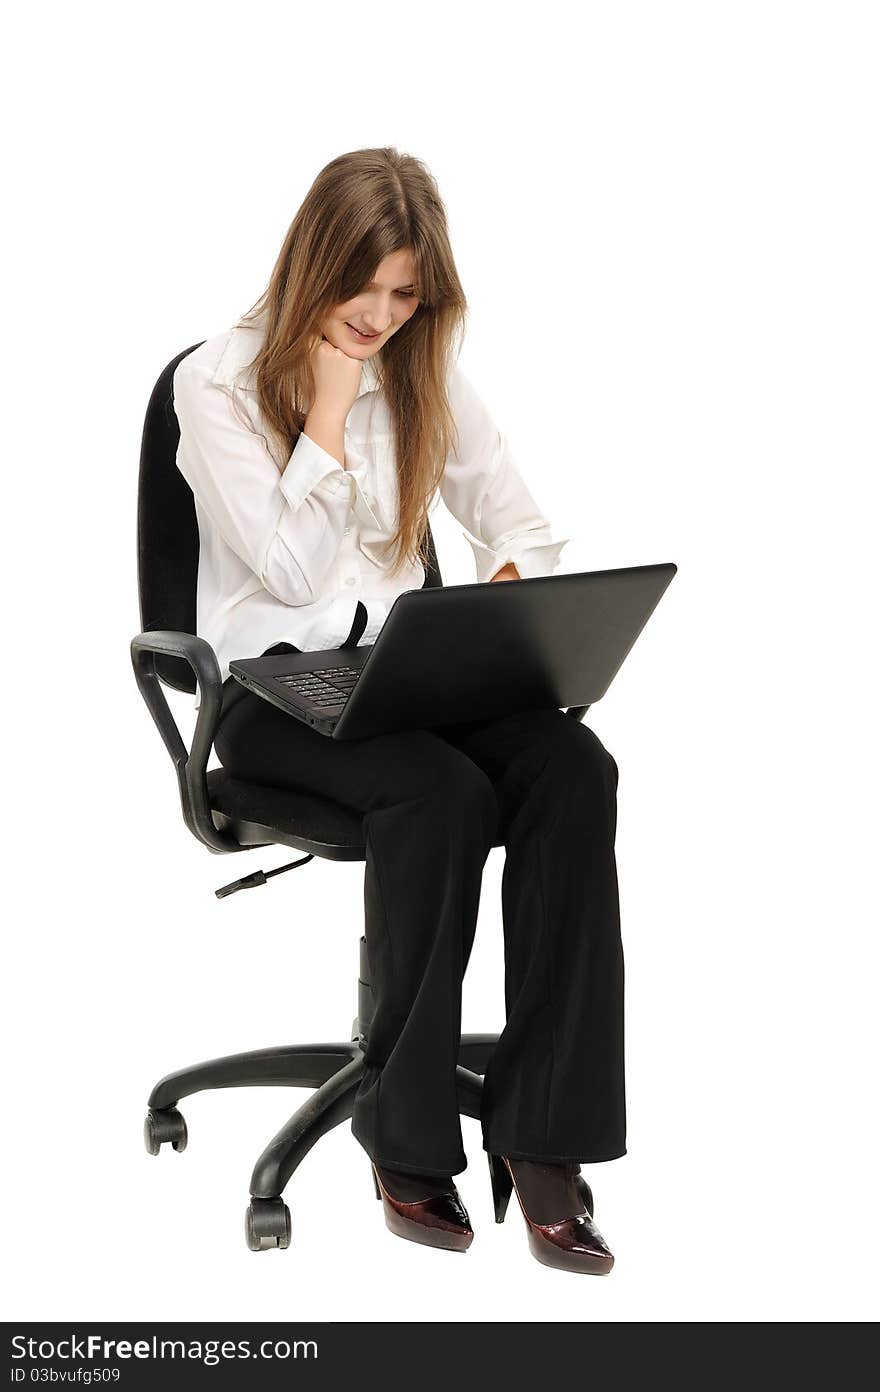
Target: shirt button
[[346, 532], [350, 580]]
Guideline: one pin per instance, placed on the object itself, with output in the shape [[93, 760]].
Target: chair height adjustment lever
[[259, 877]]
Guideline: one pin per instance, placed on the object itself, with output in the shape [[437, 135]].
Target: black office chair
[[228, 815]]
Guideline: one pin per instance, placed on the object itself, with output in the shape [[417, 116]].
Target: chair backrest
[[168, 533]]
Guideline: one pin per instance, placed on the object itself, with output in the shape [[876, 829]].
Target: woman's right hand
[[337, 379]]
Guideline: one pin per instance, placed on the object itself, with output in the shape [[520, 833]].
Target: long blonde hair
[[363, 206]]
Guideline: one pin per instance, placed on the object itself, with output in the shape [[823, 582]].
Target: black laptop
[[455, 653]]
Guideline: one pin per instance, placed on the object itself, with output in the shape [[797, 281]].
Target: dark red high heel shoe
[[569, 1243], [439, 1220]]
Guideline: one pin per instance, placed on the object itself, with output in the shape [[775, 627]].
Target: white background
[[665, 217]]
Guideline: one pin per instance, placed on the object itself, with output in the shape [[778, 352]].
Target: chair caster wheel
[[586, 1193], [267, 1224], [164, 1124]]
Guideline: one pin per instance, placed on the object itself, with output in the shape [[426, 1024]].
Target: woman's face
[[379, 310]]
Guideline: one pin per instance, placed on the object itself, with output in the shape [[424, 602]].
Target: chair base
[[333, 1070]]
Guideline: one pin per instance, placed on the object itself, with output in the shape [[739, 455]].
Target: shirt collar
[[235, 366]]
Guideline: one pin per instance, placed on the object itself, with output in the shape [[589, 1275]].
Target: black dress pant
[[433, 802]]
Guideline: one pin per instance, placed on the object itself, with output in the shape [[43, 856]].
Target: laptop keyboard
[[332, 686]]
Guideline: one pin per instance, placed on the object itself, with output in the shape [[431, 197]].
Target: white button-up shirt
[[288, 548]]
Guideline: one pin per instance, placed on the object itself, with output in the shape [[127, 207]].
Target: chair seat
[[258, 814], [292, 817]]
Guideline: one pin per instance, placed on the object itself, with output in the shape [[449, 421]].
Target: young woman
[[315, 435]]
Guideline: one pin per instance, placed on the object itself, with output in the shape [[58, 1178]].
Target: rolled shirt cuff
[[309, 466], [377, 612], [531, 558]]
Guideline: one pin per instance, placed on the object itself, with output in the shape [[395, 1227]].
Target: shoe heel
[[502, 1185]]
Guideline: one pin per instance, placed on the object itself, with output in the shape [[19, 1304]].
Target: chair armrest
[[190, 765]]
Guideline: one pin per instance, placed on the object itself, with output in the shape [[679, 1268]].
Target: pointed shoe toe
[[439, 1221], [574, 1244]]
